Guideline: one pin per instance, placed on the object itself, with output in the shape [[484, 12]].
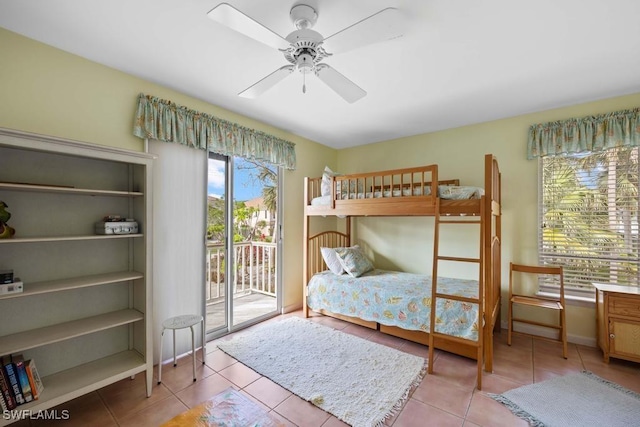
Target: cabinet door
[[624, 338]]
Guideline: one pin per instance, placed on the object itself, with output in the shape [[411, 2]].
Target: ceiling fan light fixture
[[305, 63]]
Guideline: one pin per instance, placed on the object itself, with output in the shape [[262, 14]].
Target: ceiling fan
[[305, 48]]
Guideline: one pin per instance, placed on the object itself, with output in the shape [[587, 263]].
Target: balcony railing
[[254, 269]]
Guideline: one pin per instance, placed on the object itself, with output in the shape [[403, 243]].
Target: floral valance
[[587, 134], [166, 121]]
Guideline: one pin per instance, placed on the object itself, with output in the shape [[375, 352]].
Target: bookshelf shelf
[[21, 341], [85, 314], [38, 239], [71, 383], [10, 186], [74, 283]]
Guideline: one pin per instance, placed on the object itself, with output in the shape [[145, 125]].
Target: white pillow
[[325, 185], [331, 259]]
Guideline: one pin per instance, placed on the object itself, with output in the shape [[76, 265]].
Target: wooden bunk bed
[[416, 192]]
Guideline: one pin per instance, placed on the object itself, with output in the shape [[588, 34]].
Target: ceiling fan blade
[[266, 83], [344, 87], [231, 17], [383, 25]]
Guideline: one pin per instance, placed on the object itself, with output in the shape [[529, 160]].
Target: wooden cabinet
[[618, 321], [85, 314]]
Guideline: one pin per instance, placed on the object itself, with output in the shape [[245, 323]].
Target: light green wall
[[48, 91], [408, 243]]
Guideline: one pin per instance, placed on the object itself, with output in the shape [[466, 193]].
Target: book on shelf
[[10, 369], [34, 378], [23, 379], [7, 392], [3, 405]]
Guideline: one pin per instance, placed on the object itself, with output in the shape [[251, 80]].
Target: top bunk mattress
[[399, 299], [447, 192]]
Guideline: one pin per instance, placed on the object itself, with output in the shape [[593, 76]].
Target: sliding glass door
[[242, 269]]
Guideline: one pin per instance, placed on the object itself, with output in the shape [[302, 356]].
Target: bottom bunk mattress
[[399, 299]]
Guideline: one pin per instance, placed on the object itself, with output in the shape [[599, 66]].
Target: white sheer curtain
[[179, 209]]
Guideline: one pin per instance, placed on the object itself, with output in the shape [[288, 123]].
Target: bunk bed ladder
[[436, 295]]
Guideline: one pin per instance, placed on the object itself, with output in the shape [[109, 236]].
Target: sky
[[244, 188]]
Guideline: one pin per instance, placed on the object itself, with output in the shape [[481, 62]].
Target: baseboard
[[547, 333], [291, 308]]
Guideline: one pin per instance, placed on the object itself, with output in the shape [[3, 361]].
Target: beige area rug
[[576, 400], [226, 409], [360, 382]]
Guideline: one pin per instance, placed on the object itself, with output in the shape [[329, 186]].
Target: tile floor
[[446, 398]]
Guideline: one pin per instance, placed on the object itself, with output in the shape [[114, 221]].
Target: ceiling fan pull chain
[[304, 82]]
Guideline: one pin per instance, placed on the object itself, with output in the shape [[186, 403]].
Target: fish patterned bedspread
[[399, 299]]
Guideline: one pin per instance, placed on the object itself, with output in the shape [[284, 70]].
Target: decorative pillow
[[350, 186], [354, 261], [331, 259], [325, 185], [455, 192]]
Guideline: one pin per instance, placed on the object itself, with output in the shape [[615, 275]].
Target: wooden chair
[[557, 304]]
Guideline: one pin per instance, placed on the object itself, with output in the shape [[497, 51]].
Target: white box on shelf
[[11, 288], [117, 227]]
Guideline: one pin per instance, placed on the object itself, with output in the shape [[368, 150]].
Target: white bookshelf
[[85, 313]]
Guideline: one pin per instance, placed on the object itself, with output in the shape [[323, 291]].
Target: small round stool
[[182, 322]]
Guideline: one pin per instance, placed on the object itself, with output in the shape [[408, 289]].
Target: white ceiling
[[458, 62]]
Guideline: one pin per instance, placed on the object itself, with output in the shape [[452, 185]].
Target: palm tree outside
[[589, 216]]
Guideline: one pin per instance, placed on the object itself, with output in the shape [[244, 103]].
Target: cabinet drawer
[[625, 306]]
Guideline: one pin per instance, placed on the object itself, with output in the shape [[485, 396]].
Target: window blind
[[589, 217]]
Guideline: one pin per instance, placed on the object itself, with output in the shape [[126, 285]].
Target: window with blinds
[[589, 217]]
